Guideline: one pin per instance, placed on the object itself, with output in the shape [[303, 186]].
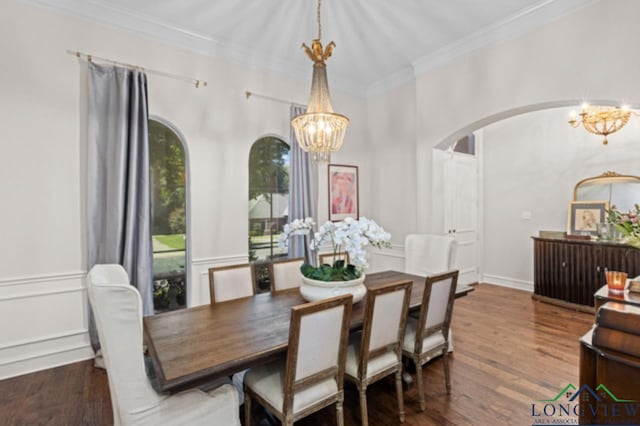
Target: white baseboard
[[25, 358], [508, 282]]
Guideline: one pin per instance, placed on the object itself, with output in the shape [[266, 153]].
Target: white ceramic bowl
[[313, 290]]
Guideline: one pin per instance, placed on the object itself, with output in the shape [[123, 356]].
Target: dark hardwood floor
[[510, 351]]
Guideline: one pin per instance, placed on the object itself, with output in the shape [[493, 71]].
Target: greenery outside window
[[168, 216], [268, 203]]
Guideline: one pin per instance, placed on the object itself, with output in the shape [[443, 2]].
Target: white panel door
[[461, 211]]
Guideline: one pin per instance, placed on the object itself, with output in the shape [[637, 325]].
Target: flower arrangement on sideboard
[[627, 223]]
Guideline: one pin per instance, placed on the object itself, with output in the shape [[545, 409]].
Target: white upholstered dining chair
[[427, 336], [427, 254], [311, 376], [117, 308], [231, 282], [107, 274], [376, 352], [285, 273]]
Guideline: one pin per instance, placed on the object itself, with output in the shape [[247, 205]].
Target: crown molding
[[539, 14], [154, 29], [396, 79]]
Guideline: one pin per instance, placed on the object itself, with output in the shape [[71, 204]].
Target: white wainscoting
[[508, 282], [199, 289], [44, 318], [393, 259], [43, 321], [386, 259]]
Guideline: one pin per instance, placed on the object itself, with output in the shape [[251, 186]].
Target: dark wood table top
[[191, 346], [628, 297]]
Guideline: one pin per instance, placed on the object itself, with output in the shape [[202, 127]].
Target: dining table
[[193, 346]]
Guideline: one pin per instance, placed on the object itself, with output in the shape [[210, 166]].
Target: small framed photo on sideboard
[[584, 217]]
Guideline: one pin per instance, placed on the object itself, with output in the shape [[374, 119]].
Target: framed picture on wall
[[584, 217], [343, 192]]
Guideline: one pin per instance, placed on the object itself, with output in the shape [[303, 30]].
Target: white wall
[[391, 119], [42, 294], [531, 164], [584, 55], [42, 299], [580, 56]]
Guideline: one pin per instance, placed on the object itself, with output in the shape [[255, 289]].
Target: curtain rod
[[248, 94], [89, 57]]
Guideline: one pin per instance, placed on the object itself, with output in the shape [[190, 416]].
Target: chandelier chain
[[319, 24]]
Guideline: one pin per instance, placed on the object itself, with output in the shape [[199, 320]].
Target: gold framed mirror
[[621, 191]]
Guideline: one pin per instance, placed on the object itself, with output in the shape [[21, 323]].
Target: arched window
[[268, 201], [168, 216]]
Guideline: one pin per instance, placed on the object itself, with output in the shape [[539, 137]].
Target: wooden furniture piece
[[117, 308], [285, 273], [311, 378], [610, 359], [195, 345], [231, 282], [428, 254], [376, 352], [427, 336], [327, 258], [603, 296], [568, 272]]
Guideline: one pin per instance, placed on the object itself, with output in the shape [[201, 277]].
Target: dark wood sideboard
[[569, 272]]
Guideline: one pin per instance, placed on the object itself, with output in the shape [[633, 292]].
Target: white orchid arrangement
[[351, 236]]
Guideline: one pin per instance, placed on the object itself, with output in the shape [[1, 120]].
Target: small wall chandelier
[[320, 131], [601, 120]]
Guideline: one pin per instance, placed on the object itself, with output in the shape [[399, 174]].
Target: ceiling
[[378, 42]]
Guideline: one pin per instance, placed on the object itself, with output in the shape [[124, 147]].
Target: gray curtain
[[303, 190], [118, 188]]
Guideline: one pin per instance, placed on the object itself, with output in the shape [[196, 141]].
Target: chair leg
[[339, 412], [247, 408], [399, 393], [447, 377], [420, 385], [363, 405]]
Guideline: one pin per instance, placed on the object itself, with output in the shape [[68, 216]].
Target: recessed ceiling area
[[376, 40]]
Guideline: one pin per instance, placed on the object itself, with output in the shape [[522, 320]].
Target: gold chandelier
[[601, 120], [320, 131]]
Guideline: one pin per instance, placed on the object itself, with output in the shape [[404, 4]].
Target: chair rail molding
[[42, 278], [391, 258], [47, 322]]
